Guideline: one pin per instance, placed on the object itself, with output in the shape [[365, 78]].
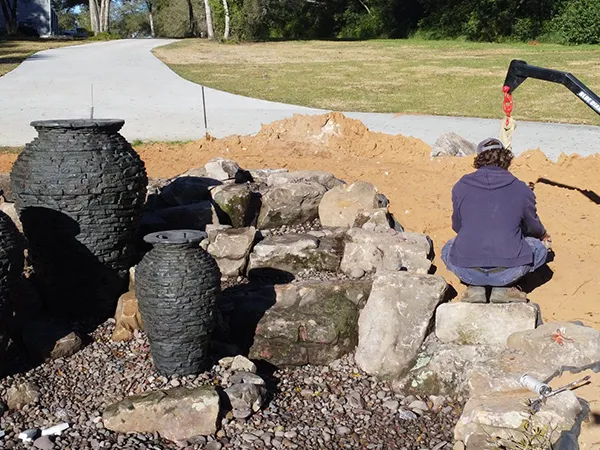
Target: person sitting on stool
[[500, 237]]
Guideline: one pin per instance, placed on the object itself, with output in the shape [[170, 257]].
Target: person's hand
[[547, 240]]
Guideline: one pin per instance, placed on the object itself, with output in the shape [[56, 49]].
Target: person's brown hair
[[497, 157]]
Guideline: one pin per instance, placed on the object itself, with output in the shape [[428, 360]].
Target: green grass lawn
[[398, 76], [14, 51]]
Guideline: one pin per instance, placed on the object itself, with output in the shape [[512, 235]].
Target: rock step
[[483, 324]]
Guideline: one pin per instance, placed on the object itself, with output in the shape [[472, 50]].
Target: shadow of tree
[[591, 195], [74, 283]]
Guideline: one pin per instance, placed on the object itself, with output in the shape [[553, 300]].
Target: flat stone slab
[[483, 324], [444, 369], [579, 346], [502, 414], [176, 414], [503, 372]]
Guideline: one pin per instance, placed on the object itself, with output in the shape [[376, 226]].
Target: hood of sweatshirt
[[489, 178]]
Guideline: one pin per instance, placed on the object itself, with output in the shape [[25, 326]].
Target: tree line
[[560, 21]]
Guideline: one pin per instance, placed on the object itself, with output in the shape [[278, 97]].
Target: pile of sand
[[419, 191]]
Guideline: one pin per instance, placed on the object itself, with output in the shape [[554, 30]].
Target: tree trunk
[[226, 8], [104, 15], [193, 28], [151, 20], [94, 17], [9, 11], [209, 22]]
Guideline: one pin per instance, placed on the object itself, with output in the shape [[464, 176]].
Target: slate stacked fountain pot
[[177, 283], [11, 269], [79, 188]]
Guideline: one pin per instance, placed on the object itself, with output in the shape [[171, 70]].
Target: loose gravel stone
[[392, 404], [418, 404], [309, 407]]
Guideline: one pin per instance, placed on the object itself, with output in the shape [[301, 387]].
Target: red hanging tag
[[507, 104]]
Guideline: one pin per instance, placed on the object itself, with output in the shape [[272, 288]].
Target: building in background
[[35, 15]]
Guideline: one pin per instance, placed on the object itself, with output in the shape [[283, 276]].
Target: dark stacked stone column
[[79, 188], [177, 283], [11, 269]]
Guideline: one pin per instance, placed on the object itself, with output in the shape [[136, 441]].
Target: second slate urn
[[177, 283], [79, 188]]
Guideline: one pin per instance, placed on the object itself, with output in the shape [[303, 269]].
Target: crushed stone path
[[130, 83]]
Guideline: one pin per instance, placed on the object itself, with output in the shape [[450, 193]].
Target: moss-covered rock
[[311, 322], [234, 204], [290, 204]]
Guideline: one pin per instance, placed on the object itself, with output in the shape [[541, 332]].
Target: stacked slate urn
[[177, 283], [11, 269], [80, 188]]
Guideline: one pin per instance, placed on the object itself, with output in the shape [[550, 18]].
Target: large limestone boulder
[[177, 414], [341, 206], [444, 369], [483, 324], [503, 372], [290, 204], [20, 395], [293, 253], [262, 175], [5, 187], [579, 348], [221, 169], [310, 322], [231, 248], [376, 220], [235, 204], [11, 211], [127, 317], [305, 292], [395, 320], [367, 251], [451, 144], [191, 217], [186, 190], [500, 415], [326, 179]]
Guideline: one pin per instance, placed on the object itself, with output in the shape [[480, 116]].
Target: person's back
[[498, 230]]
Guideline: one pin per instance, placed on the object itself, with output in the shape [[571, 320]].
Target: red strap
[[507, 103]]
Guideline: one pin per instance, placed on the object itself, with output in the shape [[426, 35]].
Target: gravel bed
[[315, 225], [309, 407]]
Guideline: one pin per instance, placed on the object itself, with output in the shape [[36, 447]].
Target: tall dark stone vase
[[177, 283], [79, 188], [11, 269]]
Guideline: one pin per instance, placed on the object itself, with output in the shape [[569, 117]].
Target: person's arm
[[456, 219], [532, 225]]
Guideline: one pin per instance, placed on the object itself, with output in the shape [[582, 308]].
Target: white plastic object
[[55, 430]]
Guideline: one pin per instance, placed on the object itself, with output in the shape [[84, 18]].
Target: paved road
[[130, 83]]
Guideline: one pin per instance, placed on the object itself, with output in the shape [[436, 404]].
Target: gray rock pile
[[351, 338]]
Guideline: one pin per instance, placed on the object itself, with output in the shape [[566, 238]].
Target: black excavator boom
[[519, 71]]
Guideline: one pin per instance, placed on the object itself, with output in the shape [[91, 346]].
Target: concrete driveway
[[130, 83]]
